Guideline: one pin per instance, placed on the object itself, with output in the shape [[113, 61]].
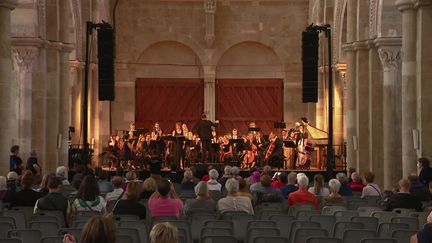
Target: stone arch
[[77, 28], [237, 61], [339, 35]]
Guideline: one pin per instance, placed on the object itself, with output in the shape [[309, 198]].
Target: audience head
[[300, 174], [242, 184], [355, 177], [404, 185], [188, 175], [3, 183], [62, 171], [267, 170], [14, 150], [334, 185], [133, 191], [54, 184], [369, 177], [235, 171], [227, 170], [27, 181], [256, 177], [214, 174], [351, 170], [266, 181], [99, 229], [423, 162], [44, 185], [164, 233], [303, 181], [318, 183], [117, 181], [12, 176], [164, 187], [119, 172], [292, 178], [341, 177], [283, 177], [131, 176], [89, 189], [149, 185], [201, 189], [232, 185]]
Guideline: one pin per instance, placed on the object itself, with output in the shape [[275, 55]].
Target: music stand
[[254, 129], [179, 139], [280, 125], [289, 144]]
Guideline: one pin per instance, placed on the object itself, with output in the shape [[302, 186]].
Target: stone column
[[339, 83], [409, 96], [209, 92], [210, 10], [390, 59], [322, 101], [7, 112]]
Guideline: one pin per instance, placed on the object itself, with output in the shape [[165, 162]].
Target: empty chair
[[272, 239], [57, 214], [330, 210], [46, 228], [373, 200], [265, 214], [219, 224], [367, 211], [384, 217], [355, 204], [18, 216], [421, 216], [326, 221], [11, 241], [340, 227], [403, 212], [300, 225], [5, 228], [283, 222], [261, 224], [411, 221], [231, 214], [385, 229], [378, 240], [160, 219], [357, 235], [292, 211], [138, 225], [254, 232], [132, 232], [197, 223], [323, 240], [240, 225], [6, 219], [26, 235], [124, 239], [44, 218], [301, 235], [345, 215], [218, 239], [302, 214], [183, 236], [79, 224], [52, 239], [403, 236], [184, 228], [216, 231], [120, 217], [27, 211], [369, 223]]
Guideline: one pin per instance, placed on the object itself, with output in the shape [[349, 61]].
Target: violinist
[[226, 151]]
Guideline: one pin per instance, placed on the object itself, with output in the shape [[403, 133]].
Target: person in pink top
[[356, 184], [165, 201], [302, 196]]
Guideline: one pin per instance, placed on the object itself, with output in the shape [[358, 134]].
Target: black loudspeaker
[[310, 66], [106, 63]]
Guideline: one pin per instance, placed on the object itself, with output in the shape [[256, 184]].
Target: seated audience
[[371, 189], [79, 176], [290, 186], [148, 188], [403, 198], [129, 205], [164, 233], [43, 187], [318, 189], [266, 193], [351, 170], [174, 176], [235, 172], [118, 191], [267, 170], [97, 230], [281, 180], [418, 189], [334, 198], [345, 190], [165, 201], [233, 202], [250, 180], [356, 184], [189, 181], [88, 197], [302, 196], [62, 173], [130, 176], [3, 187], [27, 197], [102, 179], [244, 189], [202, 203], [12, 187], [227, 175], [425, 175], [212, 183], [54, 200]]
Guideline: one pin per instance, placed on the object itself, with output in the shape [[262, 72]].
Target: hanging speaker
[[106, 63], [310, 44]]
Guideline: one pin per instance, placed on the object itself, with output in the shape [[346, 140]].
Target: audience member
[[129, 205], [165, 201], [244, 189], [302, 196], [88, 197], [79, 176], [174, 176], [266, 193], [212, 183], [202, 203], [235, 172], [54, 200], [267, 170], [102, 179], [356, 184], [403, 198], [43, 187], [27, 197], [234, 202], [131, 176], [118, 191], [350, 171], [32, 163], [15, 162], [62, 173], [251, 180], [98, 229], [425, 175], [334, 198], [345, 190], [371, 189], [227, 175], [318, 189], [290, 186], [418, 189], [281, 180], [148, 188], [12, 187], [164, 233], [189, 181]]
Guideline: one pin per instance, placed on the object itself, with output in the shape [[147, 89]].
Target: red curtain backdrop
[[241, 101], [168, 101]]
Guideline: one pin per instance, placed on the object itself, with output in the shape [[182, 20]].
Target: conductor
[[205, 128]]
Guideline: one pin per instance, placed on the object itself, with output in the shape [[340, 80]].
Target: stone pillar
[[7, 112], [390, 59], [424, 75], [210, 10], [339, 83], [322, 101], [409, 96], [209, 92]]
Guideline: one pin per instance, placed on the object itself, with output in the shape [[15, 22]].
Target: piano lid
[[316, 133]]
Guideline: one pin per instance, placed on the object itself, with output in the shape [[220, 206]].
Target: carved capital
[[10, 4], [24, 58], [210, 6], [403, 5], [390, 58]]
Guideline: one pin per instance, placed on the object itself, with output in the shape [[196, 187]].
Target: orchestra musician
[[274, 152], [178, 146], [250, 157], [205, 128], [304, 158], [226, 150]]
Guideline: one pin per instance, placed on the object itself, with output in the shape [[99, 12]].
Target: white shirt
[[114, 195], [324, 192], [239, 203], [213, 185]]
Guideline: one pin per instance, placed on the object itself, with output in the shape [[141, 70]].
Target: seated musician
[[274, 153], [250, 157], [226, 150]]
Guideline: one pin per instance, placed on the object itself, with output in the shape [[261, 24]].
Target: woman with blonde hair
[[129, 204], [318, 188], [164, 233], [148, 188], [97, 229]]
